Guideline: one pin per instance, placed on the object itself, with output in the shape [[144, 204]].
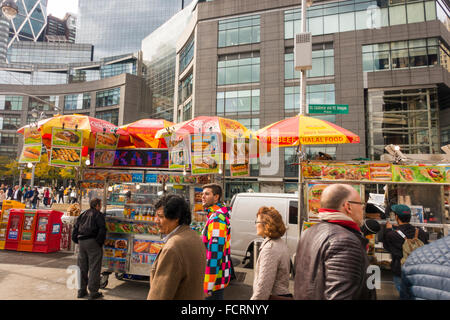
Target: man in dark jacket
[[426, 272], [393, 239], [331, 261], [90, 233]]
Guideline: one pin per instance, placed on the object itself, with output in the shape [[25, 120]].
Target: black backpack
[[86, 224]]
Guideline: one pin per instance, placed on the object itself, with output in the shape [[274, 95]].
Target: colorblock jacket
[[216, 237]]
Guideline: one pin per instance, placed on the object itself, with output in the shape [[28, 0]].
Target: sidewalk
[[40, 276]]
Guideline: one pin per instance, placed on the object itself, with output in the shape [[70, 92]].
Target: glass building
[[121, 25], [30, 22]]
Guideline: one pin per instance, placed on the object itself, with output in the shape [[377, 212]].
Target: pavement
[[41, 276]]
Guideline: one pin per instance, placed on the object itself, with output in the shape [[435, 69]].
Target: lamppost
[[9, 11], [31, 166], [302, 62]]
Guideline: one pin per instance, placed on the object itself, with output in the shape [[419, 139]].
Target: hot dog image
[[105, 139], [67, 136], [31, 153]]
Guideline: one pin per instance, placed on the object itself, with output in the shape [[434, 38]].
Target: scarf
[[337, 217]]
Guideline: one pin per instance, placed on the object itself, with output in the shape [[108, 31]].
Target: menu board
[[430, 174], [32, 147], [205, 153], [66, 147], [239, 158], [377, 172], [106, 141], [126, 227], [115, 253], [145, 251], [178, 154], [104, 158]]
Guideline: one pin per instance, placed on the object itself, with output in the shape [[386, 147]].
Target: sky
[[59, 8]]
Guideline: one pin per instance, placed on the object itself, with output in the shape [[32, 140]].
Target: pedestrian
[[47, 197], [28, 196], [216, 237], [426, 272], [34, 197], [10, 193], [394, 237], [61, 195], [179, 269], [17, 195], [54, 195], [73, 195], [271, 277], [331, 261], [2, 195], [90, 232]]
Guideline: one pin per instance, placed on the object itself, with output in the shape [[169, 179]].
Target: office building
[[118, 27], [61, 30], [388, 60], [30, 22]]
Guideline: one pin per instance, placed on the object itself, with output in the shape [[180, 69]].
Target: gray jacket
[[272, 270]]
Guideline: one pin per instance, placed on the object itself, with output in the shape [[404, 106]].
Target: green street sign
[[328, 109]]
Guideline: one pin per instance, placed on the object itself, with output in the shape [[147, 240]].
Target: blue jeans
[[216, 295], [400, 287]]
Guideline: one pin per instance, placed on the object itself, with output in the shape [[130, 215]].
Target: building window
[[77, 101], [354, 15], [187, 111], [238, 68], [10, 122], [405, 117], [11, 103], [41, 105], [185, 89], [238, 103], [80, 75], [115, 69], [110, 116], [186, 55], [236, 31], [403, 54], [9, 139], [315, 94], [252, 123], [109, 97], [322, 62]]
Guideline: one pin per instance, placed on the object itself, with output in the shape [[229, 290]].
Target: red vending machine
[[48, 231], [13, 229], [26, 234]]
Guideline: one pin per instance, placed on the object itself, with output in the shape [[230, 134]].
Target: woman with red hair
[[271, 278]]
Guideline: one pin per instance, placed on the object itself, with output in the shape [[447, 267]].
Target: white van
[[244, 207]]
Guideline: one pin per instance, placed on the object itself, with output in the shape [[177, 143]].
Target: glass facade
[[77, 101], [322, 62], [238, 68], [185, 89], [404, 117], [241, 30], [186, 55], [39, 105], [108, 98], [352, 15], [49, 53], [30, 22], [315, 94], [159, 51], [10, 122], [120, 26], [242, 103], [110, 115], [404, 54], [11, 103]]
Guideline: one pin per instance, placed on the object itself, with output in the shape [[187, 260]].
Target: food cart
[[129, 193], [423, 186]]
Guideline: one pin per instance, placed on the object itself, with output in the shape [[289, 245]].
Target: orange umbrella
[[141, 133], [304, 130]]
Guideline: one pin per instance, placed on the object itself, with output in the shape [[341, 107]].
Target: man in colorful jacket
[[216, 237]]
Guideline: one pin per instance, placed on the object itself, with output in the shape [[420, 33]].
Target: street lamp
[[32, 167], [9, 9]]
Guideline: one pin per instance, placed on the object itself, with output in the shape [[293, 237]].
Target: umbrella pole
[[301, 212]]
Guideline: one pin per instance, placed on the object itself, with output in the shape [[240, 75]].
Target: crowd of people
[[32, 197], [331, 261]]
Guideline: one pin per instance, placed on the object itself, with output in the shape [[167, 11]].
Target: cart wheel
[[104, 280], [119, 276]]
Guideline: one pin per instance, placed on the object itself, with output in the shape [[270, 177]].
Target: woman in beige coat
[[271, 278]]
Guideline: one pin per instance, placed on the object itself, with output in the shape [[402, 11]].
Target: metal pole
[[20, 177], [32, 175], [301, 211]]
